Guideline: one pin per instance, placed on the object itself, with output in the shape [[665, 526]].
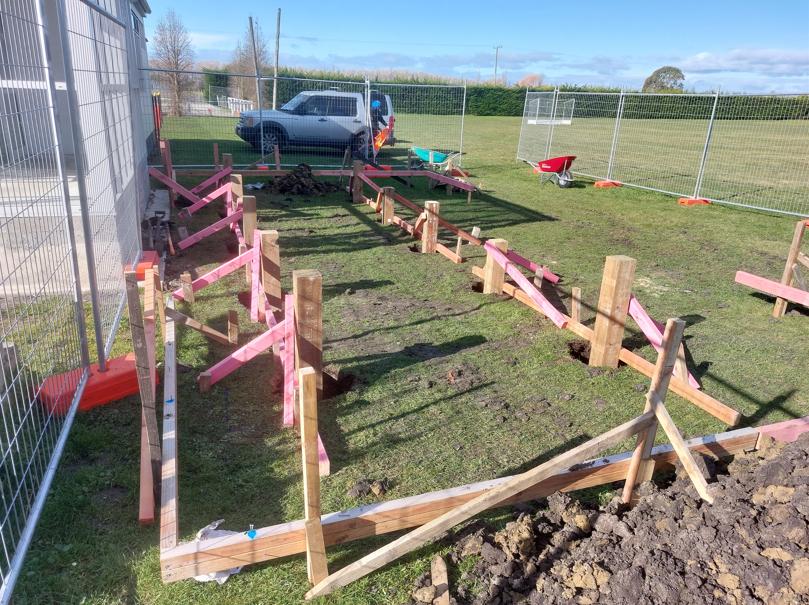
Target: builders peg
[[494, 274], [613, 306], [429, 231]]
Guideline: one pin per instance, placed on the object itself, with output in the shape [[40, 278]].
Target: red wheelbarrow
[[555, 169]]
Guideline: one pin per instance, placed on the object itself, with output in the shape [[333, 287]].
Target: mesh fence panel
[[589, 135], [425, 116], [314, 120], [40, 327], [536, 126], [758, 154], [660, 141], [747, 150], [99, 59]]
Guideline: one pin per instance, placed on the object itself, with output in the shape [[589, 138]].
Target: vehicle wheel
[[270, 139]]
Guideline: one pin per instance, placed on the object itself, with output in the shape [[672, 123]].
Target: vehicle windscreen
[[294, 102]]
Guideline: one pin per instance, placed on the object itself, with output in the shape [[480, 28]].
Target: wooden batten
[[613, 305], [494, 274], [429, 233], [286, 539], [307, 294], [789, 269], [169, 512]]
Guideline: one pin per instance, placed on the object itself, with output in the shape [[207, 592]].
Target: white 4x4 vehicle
[[326, 118]]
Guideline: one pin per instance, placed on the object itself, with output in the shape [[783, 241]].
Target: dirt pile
[[750, 546], [299, 181]]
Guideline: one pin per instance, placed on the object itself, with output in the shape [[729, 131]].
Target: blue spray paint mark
[[170, 400], [252, 534]]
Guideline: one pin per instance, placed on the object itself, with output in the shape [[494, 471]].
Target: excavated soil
[[299, 181], [750, 546]]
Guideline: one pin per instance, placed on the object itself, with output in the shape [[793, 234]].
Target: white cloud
[[764, 61]]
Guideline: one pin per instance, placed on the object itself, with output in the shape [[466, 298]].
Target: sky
[[741, 46]]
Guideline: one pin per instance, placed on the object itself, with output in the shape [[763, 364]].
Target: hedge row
[[490, 100]]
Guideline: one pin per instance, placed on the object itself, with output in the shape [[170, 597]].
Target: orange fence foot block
[[606, 184], [690, 201], [149, 259], [119, 381]]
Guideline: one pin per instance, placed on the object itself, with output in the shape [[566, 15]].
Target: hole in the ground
[[477, 286], [336, 382], [580, 350], [414, 248]]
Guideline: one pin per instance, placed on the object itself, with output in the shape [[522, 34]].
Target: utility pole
[[258, 84], [496, 58], [277, 46]]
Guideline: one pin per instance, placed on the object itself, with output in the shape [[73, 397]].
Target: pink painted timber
[[242, 355], [216, 274], [210, 230], [773, 288], [551, 312], [514, 257], [653, 331]]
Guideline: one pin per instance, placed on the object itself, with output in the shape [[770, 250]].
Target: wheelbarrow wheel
[[564, 179]]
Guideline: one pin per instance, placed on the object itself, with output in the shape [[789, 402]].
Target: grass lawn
[[402, 323]]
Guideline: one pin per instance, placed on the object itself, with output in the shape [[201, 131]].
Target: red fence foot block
[[691, 201], [119, 381], [606, 184]]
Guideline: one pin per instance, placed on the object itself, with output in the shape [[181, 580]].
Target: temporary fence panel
[[41, 319], [746, 150], [758, 153], [660, 141], [590, 133], [535, 128], [314, 121], [105, 150], [425, 116]]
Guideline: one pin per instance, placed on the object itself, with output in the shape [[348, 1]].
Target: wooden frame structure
[[606, 337], [435, 512], [785, 290]]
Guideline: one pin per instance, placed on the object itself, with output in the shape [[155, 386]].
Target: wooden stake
[[248, 217], [307, 293], [387, 205], [786, 278], [575, 304], [641, 466], [494, 274], [429, 232], [271, 269], [613, 305], [276, 151], [204, 381], [144, 367], [237, 189], [357, 169], [188, 291], [315, 547], [227, 160], [233, 327], [216, 155], [429, 531]]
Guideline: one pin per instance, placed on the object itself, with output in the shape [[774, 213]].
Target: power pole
[[277, 46], [496, 58]]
